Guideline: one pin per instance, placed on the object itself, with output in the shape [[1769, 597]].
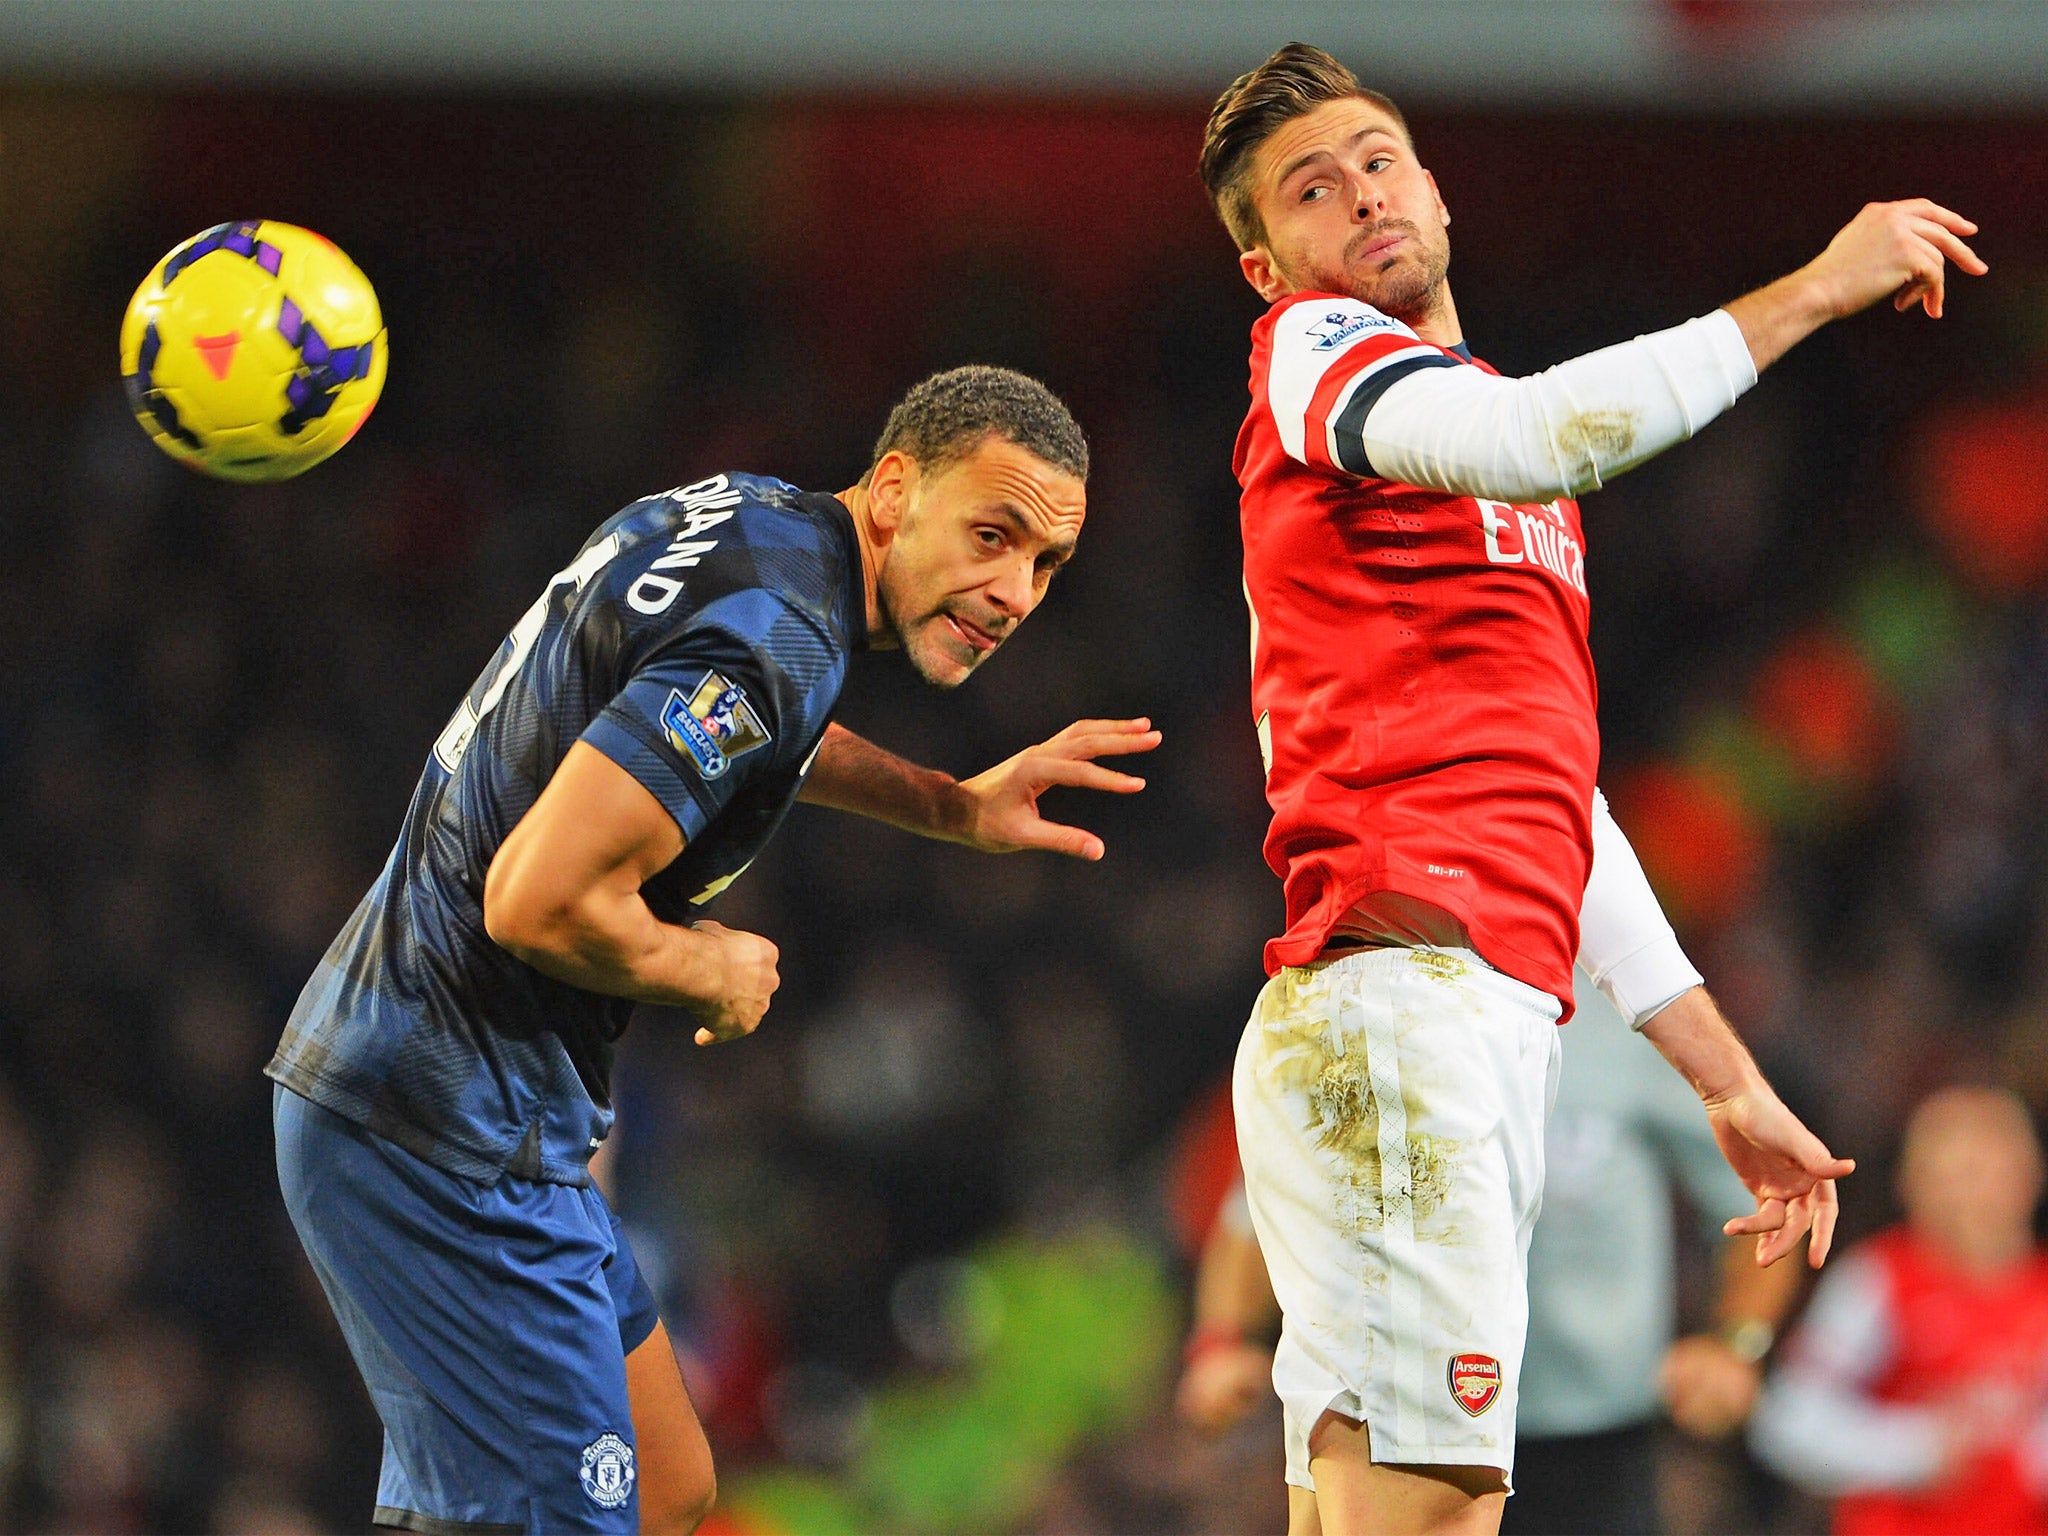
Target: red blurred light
[[1821, 701], [1703, 851], [1984, 490]]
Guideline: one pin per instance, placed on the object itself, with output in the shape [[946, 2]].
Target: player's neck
[[855, 500], [1440, 324]]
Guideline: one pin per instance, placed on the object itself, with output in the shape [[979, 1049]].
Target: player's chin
[[1394, 288], [941, 660]]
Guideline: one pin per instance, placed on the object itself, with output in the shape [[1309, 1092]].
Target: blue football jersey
[[699, 640]]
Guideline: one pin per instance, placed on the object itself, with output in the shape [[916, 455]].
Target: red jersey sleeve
[[1331, 360]]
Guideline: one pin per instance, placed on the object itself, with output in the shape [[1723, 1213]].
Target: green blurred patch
[[1911, 622], [1080, 1337]]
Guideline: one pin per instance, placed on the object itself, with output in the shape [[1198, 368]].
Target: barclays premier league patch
[[1337, 327], [714, 725]]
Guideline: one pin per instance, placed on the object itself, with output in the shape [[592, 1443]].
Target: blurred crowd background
[[924, 1238]]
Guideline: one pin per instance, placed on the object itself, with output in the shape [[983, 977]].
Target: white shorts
[[1390, 1113]]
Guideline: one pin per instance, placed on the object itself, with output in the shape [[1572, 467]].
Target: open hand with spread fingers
[[1000, 806], [1785, 1166]]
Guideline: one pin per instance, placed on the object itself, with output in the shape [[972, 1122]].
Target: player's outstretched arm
[[995, 811], [563, 895], [1897, 251], [1783, 1164], [1576, 426]]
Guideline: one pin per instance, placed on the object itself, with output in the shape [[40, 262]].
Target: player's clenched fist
[[1897, 251], [745, 967]]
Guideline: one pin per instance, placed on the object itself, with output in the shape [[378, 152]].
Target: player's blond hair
[[1295, 80]]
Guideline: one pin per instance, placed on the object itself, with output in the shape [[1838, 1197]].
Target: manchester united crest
[[1475, 1382], [608, 1471]]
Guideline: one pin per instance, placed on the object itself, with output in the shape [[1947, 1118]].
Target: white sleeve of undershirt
[[1817, 1423], [1566, 430], [1625, 941]]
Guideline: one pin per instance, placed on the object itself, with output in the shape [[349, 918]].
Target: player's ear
[[889, 487], [1257, 266]]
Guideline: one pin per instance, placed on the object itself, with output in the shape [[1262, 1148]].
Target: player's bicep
[[594, 831], [694, 727]]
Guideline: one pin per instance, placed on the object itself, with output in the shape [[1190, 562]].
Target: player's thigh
[[1302, 1519], [677, 1484], [1389, 1115], [483, 1325], [1356, 1496]]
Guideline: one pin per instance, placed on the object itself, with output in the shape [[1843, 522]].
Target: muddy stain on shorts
[[1439, 966], [1332, 1080]]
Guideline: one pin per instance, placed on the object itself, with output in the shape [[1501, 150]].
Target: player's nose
[[1013, 592], [1367, 202]]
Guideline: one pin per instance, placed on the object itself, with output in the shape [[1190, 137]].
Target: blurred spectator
[[1915, 1392]]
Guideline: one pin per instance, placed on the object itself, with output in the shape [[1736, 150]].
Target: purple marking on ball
[[289, 322], [269, 257]]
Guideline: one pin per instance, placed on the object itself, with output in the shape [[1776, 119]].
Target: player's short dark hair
[[1295, 80], [951, 414]]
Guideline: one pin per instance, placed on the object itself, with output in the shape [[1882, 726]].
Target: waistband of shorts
[[1370, 959]]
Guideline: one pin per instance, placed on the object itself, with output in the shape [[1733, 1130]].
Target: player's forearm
[[1233, 1295], [1625, 941], [853, 774], [1780, 315], [1692, 1035], [612, 943], [1752, 1294], [1566, 430], [1833, 1440]]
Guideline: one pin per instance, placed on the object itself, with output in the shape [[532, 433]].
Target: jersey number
[[454, 741]]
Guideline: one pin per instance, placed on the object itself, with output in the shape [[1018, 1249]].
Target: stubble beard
[[920, 646], [1411, 291]]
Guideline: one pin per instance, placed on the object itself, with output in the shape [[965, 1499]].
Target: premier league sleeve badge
[[714, 725]]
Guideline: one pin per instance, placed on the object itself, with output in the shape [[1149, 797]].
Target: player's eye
[[990, 539], [1379, 163], [1311, 194]]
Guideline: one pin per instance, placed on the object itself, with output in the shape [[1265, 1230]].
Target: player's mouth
[[973, 636], [1381, 246]]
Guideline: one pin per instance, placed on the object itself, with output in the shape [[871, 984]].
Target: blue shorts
[[491, 1323]]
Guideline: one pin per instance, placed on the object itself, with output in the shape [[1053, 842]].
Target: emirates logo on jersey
[[1537, 536], [1475, 1382]]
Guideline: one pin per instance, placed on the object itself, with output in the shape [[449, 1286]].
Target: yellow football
[[254, 350]]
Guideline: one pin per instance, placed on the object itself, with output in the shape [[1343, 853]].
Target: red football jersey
[[1421, 682], [1951, 1333]]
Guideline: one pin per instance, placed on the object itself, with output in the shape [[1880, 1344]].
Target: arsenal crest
[[1475, 1382]]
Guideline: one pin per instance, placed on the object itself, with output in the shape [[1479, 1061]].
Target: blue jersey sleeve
[[713, 708]]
